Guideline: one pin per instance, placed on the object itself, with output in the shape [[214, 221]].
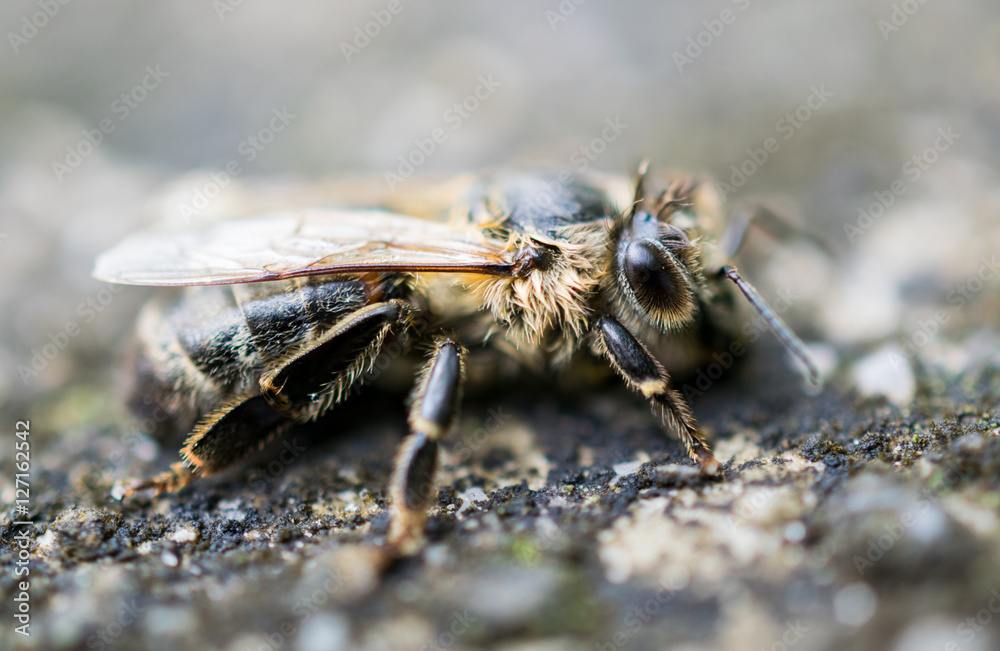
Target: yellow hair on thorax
[[550, 309]]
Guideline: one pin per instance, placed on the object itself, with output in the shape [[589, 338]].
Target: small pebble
[[184, 535]]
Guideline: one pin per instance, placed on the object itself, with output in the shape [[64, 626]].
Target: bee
[[283, 314]]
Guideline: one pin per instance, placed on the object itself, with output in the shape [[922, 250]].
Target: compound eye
[[656, 279]]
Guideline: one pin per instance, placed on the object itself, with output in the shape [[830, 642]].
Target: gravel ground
[[863, 515]]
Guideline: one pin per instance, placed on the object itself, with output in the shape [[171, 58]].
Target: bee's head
[[656, 268]]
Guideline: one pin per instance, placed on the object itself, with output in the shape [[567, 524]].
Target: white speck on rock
[[674, 472], [47, 541], [885, 372], [184, 535], [628, 468], [470, 498]]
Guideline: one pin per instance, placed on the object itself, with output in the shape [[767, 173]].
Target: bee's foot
[[709, 464], [174, 479]]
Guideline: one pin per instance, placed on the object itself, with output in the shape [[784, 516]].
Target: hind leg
[[301, 387]]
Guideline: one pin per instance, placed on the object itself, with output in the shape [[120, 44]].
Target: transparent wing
[[300, 243]]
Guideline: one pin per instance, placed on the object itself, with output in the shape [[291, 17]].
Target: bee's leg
[[223, 438], [312, 379], [301, 387], [434, 407], [773, 223], [645, 375]]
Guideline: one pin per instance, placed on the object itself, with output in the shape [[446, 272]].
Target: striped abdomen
[[213, 342]]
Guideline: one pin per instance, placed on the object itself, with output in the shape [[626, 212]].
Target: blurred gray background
[[696, 85], [186, 89]]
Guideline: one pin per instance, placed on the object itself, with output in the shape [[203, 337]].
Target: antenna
[[640, 190], [778, 326]]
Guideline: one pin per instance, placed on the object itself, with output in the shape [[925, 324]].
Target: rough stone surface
[[862, 515]]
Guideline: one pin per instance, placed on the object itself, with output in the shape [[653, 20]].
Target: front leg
[[434, 407], [645, 375]]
